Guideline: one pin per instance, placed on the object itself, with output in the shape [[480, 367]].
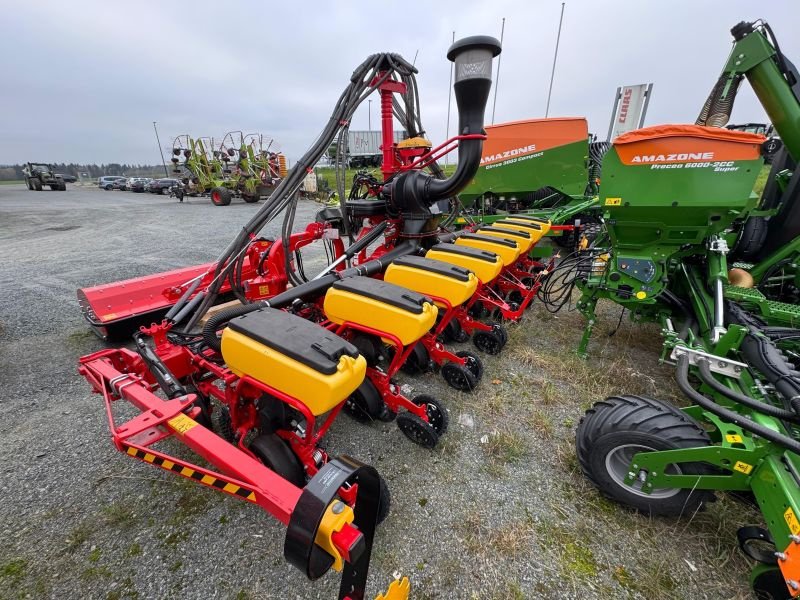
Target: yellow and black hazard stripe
[[209, 480]]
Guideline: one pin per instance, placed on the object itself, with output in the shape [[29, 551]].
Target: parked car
[[121, 184], [67, 178], [107, 181], [161, 186], [138, 184]]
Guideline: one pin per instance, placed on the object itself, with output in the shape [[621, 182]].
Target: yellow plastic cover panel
[[309, 380], [430, 277], [545, 225], [536, 230], [508, 250], [523, 238], [382, 306], [485, 265]]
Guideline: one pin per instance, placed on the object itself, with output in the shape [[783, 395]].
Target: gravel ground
[[507, 517]]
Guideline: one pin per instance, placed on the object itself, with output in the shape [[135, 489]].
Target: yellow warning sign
[[791, 521], [742, 467], [181, 424], [613, 201], [733, 438]]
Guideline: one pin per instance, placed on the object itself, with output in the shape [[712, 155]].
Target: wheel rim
[[617, 465]]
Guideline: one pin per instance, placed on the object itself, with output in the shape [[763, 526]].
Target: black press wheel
[[770, 585], [489, 342], [435, 411], [418, 361], [459, 377], [365, 404], [220, 196], [250, 199], [417, 430], [385, 502], [614, 430], [478, 311], [453, 332], [276, 454], [501, 331], [473, 363]]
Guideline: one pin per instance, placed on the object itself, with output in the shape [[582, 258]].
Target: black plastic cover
[[489, 239], [382, 291], [433, 266], [511, 233], [297, 338], [485, 255]]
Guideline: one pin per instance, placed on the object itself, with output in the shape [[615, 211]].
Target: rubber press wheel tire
[[365, 404], [474, 363], [276, 454], [37, 185], [418, 360], [251, 199], [617, 428], [385, 503], [438, 417], [459, 377], [220, 196], [453, 332], [489, 342]]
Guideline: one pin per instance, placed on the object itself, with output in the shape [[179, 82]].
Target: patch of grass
[[510, 539], [513, 591], [96, 572], [244, 594], [223, 519], [175, 538], [79, 534], [505, 446], [94, 555], [175, 566], [192, 502], [119, 515], [13, 571], [135, 549], [576, 559], [542, 423]]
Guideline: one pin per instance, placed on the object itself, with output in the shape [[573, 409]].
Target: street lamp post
[[161, 150]]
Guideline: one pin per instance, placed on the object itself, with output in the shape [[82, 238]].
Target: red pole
[[387, 127]]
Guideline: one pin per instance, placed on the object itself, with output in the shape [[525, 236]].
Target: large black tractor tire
[[251, 199], [28, 184], [37, 185], [276, 454], [751, 238], [221, 196], [617, 428]]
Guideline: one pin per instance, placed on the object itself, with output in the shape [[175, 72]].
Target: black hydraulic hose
[[764, 356], [731, 416], [773, 411]]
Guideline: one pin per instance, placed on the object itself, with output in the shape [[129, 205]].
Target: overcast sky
[[83, 80]]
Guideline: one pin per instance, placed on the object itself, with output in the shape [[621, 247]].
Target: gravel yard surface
[[498, 510]]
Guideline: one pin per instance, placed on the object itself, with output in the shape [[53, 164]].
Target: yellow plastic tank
[[543, 223], [486, 265], [295, 356], [535, 229], [508, 250], [433, 278], [382, 306], [524, 238]]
